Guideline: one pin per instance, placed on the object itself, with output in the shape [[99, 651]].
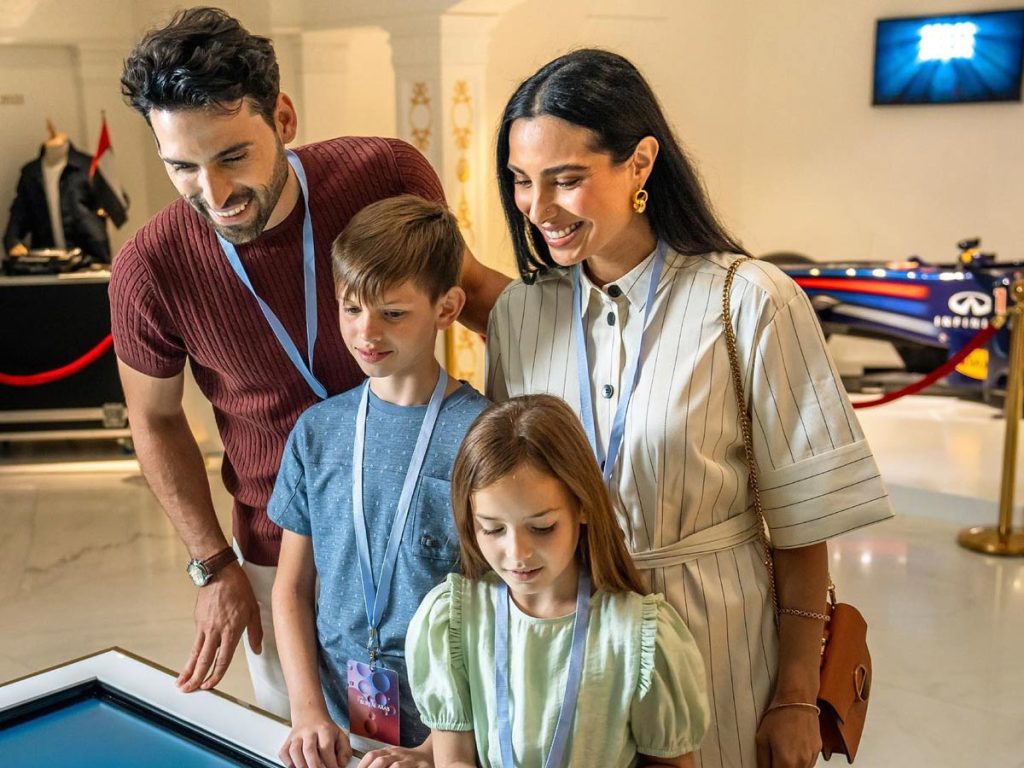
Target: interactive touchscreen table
[[116, 710]]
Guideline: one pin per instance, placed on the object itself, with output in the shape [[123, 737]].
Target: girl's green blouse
[[643, 688]]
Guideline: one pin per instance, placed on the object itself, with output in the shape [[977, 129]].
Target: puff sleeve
[[433, 653], [669, 712]]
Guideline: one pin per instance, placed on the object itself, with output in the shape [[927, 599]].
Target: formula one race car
[[928, 312]]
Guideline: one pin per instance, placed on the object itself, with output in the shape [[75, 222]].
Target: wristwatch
[[202, 571]]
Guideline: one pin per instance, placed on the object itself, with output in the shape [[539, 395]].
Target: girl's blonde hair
[[541, 431]]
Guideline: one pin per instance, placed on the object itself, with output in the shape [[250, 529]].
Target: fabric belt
[[718, 538]]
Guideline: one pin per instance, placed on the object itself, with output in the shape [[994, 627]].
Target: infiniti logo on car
[[970, 303]]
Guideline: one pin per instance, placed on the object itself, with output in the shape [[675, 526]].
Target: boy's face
[[395, 336]]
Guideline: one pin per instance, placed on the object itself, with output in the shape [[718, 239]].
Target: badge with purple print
[[373, 702]]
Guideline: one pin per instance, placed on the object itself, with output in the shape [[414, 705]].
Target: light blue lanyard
[[376, 602], [567, 712], [309, 281], [606, 458]]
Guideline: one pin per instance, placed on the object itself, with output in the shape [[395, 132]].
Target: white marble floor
[[87, 561]]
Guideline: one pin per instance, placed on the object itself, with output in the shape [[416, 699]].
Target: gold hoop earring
[[640, 200], [530, 245]]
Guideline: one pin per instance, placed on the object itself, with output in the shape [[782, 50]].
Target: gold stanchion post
[[1003, 539]]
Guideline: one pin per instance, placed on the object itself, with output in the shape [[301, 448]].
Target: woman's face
[[578, 198]]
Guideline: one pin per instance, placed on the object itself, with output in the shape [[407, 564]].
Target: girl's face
[[528, 528], [578, 198]]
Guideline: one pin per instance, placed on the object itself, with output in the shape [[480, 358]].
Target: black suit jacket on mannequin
[[30, 218]]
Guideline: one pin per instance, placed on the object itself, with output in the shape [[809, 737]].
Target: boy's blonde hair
[[395, 240], [543, 432]]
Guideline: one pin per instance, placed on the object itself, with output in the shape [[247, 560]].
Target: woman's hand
[[788, 737], [399, 757], [316, 743]]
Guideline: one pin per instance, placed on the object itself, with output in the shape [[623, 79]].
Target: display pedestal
[[47, 322]]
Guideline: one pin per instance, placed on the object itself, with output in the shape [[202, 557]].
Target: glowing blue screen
[[949, 59], [95, 734]]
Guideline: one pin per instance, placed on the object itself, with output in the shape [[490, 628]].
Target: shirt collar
[[633, 284]]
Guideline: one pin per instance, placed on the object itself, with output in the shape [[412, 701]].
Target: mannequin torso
[[55, 160]]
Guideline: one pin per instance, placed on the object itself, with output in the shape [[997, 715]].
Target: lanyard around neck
[[567, 712], [309, 285], [606, 457], [376, 600]]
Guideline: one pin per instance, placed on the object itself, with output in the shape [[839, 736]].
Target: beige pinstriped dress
[[680, 485]]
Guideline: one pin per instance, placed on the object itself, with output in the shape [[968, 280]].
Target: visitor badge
[[373, 702]]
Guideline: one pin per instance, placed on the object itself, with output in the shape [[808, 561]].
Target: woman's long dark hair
[[605, 93]]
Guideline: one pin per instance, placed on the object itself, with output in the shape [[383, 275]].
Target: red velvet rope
[[980, 338], [36, 379]]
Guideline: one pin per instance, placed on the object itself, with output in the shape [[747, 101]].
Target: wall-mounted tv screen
[[964, 57]]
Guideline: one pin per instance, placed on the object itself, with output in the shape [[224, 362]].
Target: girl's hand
[[399, 757], [788, 737], [316, 743]]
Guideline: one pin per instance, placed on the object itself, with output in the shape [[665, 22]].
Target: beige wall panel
[[827, 174]]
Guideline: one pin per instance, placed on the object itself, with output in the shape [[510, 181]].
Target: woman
[[617, 245]]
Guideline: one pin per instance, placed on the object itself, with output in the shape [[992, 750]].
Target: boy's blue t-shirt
[[313, 497]]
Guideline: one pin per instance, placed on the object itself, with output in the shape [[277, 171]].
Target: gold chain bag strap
[[845, 660]]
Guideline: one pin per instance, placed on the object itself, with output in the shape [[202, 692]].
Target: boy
[[363, 489]]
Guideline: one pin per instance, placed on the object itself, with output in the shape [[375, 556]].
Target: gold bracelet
[[805, 614], [815, 707]]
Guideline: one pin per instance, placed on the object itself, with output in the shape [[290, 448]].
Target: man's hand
[[18, 249], [224, 608], [482, 286], [316, 743], [399, 757]]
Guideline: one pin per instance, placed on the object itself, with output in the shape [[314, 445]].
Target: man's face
[[230, 166]]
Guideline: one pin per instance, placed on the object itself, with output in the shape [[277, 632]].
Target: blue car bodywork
[[927, 311]]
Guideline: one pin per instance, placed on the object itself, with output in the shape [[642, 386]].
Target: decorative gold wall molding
[[464, 356], [462, 134], [420, 116], [462, 115], [464, 349]]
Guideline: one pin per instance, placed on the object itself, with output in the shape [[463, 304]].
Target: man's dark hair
[[202, 59]]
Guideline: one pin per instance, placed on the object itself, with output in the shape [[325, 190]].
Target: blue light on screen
[[95, 734], [949, 59]]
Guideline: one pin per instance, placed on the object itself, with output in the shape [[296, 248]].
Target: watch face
[[197, 573]]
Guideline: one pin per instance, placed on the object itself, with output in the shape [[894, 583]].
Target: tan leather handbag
[[845, 661]]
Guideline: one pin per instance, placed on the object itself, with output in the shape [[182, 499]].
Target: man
[[235, 278]]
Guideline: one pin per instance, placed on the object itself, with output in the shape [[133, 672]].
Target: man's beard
[[261, 199]]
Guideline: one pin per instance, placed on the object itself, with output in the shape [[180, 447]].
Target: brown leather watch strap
[[216, 562]]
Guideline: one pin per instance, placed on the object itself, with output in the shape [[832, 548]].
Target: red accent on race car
[[882, 288]]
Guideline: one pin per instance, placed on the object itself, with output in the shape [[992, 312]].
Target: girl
[[548, 651], [619, 312]]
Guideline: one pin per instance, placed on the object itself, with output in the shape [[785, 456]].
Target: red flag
[[103, 175], [102, 147]]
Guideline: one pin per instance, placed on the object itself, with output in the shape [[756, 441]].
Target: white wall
[[347, 84], [692, 53], [773, 101], [827, 174]]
